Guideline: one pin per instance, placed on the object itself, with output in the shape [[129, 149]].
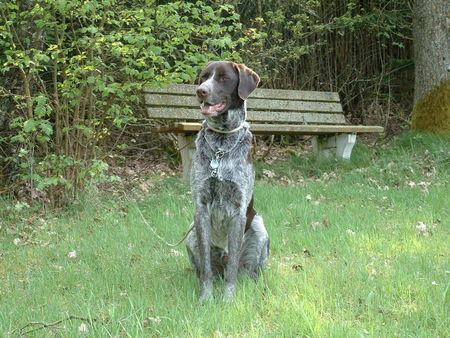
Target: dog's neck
[[229, 120]]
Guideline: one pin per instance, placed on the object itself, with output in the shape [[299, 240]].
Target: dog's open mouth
[[208, 109]]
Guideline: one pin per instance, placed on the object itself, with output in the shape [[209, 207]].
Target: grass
[[359, 249]]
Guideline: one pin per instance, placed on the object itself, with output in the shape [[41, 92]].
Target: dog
[[228, 234]]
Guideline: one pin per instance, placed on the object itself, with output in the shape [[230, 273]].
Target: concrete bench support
[[186, 144], [340, 144]]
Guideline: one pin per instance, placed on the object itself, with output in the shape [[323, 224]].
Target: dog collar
[[227, 131]]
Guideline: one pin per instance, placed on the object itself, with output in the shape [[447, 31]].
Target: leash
[[158, 236]]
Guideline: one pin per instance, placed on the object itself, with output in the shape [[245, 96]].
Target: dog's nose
[[202, 93]]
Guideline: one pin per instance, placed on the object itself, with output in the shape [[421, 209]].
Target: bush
[[72, 70]]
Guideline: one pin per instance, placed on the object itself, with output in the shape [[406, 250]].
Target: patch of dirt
[[137, 170], [277, 150]]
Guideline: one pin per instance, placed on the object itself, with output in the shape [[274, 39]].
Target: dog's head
[[225, 85]]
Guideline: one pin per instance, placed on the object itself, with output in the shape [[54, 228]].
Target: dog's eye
[[224, 78]]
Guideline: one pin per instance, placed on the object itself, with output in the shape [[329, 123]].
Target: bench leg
[[186, 144], [342, 143]]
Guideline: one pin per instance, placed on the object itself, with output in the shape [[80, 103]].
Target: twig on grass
[[42, 325]]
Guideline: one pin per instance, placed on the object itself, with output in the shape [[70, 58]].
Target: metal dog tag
[[214, 163]]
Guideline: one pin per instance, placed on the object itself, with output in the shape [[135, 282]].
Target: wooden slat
[[252, 104], [300, 95], [282, 94], [312, 129], [187, 127], [256, 116], [294, 117]]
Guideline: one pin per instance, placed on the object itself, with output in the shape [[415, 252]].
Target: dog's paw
[[206, 295], [206, 298], [228, 296]]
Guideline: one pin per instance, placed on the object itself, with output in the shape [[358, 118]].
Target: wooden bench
[[269, 111]]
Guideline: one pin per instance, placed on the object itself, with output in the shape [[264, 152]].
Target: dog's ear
[[248, 80]]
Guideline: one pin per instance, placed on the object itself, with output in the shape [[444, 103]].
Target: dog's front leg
[[203, 229], [235, 235]]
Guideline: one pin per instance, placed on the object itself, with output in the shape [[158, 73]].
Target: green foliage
[[73, 70], [360, 48]]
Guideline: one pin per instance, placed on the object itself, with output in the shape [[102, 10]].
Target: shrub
[[72, 70]]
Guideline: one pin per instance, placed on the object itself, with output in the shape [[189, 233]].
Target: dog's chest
[[225, 204], [223, 189], [225, 158]]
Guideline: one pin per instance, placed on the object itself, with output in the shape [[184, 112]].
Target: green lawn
[[359, 249]]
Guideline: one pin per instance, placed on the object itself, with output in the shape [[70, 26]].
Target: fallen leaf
[[146, 186], [297, 267], [151, 320], [83, 329], [315, 225], [285, 180], [307, 253], [269, 174], [423, 229], [176, 252], [424, 186]]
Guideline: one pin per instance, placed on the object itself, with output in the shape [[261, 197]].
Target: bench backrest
[[179, 103]]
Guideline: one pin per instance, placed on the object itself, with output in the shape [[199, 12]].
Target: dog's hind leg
[[255, 249]]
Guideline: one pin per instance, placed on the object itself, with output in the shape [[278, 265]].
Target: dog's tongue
[[208, 109]]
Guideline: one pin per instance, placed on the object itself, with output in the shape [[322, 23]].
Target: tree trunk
[[431, 35]]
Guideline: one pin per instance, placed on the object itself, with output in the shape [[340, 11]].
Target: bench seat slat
[[283, 94], [256, 116], [269, 129], [252, 104]]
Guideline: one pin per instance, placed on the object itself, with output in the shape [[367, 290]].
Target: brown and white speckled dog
[[229, 236]]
